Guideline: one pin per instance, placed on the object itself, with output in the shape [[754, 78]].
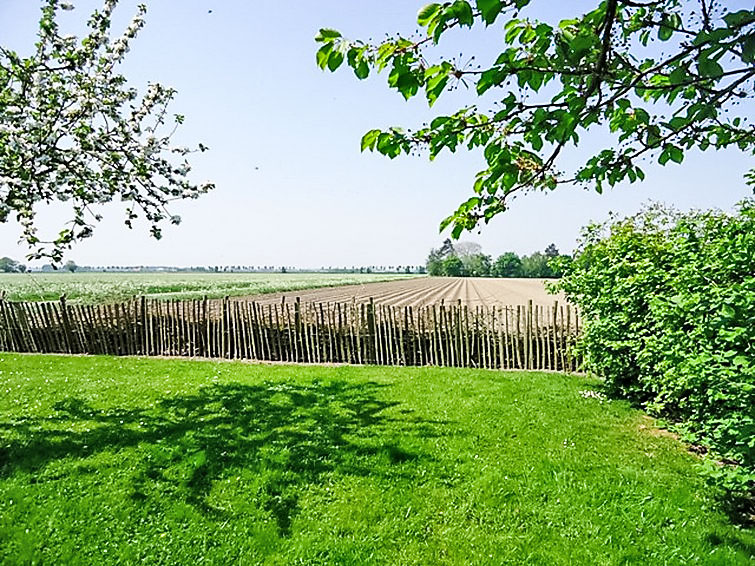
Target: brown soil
[[472, 291]]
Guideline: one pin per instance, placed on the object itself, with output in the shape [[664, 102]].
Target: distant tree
[[477, 265], [70, 266], [536, 265], [557, 262], [453, 267], [8, 265], [465, 249], [508, 265], [447, 248], [551, 250], [72, 130], [435, 259], [434, 263]]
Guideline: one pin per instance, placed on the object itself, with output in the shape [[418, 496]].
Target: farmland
[[90, 288], [133, 460], [505, 323], [267, 288], [418, 292]]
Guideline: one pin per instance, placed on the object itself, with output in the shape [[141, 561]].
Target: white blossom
[[75, 123]]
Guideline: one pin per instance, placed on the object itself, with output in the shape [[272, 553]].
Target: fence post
[[371, 334], [224, 333], [298, 330], [532, 337], [570, 339], [528, 334], [66, 325], [5, 336], [142, 341]]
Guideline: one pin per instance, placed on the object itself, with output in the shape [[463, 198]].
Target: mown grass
[[126, 460], [93, 287]]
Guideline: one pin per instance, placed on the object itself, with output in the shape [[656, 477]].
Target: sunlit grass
[[122, 460]]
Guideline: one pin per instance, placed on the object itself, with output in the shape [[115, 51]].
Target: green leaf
[[563, 24], [581, 45], [679, 75], [536, 80], [335, 59], [462, 11], [664, 31], [446, 222], [653, 135], [489, 78], [740, 18], [528, 35], [326, 34], [370, 139], [437, 26], [489, 10], [671, 152], [513, 29], [677, 123], [322, 55], [536, 141], [709, 68], [748, 49], [470, 204], [435, 87], [362, 70], [427, 13], [404, 80], [356, 61]]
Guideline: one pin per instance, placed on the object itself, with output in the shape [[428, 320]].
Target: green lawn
[[130, 460], [101, 287]]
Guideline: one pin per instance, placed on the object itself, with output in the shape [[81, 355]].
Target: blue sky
[[292, 187]]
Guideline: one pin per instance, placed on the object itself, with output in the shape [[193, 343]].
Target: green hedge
[[668, 301]]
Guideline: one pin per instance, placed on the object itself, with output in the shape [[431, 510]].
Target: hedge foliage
[[668, 301]]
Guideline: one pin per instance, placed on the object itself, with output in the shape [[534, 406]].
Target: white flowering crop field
[[104, 287]]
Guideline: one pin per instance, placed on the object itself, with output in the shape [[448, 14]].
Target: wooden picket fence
[[513, 337]]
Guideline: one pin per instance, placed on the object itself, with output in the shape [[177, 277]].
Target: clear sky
[[292, 187]]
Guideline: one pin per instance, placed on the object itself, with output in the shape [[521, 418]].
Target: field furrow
[[471, 291]]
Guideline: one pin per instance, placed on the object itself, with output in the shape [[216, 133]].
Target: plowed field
[[421, 291]]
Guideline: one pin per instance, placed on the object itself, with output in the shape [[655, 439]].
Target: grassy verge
[[108, 287], [124, 460]]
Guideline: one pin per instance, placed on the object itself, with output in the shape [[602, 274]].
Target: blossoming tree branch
[[660, 76], [72, 130]]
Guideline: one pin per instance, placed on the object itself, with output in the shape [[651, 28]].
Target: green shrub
[[668, 301]]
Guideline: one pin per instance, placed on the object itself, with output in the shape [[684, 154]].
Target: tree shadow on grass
[[289, 435]]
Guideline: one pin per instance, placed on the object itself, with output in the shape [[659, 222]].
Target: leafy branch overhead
[[72, 130], [662, 77]]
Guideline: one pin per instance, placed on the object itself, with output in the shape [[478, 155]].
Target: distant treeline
[[9, 265], [465, 259]]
